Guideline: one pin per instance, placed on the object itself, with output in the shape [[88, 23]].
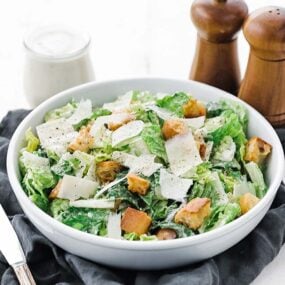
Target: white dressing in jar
[[56, 58]]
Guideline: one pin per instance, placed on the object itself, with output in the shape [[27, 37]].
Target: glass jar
[[56, 58]]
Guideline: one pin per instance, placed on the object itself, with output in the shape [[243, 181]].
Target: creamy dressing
[[56, 59]]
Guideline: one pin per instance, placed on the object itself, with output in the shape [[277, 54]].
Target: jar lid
[[218, 20], [265, 31], [56, 42]]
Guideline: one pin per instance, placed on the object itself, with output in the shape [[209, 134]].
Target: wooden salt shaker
[[263, 86], [216, 60]]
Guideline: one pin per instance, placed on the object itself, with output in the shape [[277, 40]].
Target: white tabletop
[[130, 38]]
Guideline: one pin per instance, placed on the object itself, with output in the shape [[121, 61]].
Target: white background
[[130, 38]]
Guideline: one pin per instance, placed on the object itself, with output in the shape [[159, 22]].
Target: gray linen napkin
[[51, 265]]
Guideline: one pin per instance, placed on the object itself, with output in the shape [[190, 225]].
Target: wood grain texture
[[216, 60], [216, 64], [263, 86]]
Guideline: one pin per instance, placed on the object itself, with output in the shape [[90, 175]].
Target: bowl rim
[[12, 165]]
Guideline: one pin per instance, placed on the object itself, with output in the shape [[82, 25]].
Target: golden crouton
[[117, 124], [247, 201], [193, 109], [257, 150], [194, 213], [202, 150], [107, 170], [54, 192], [135, 221], [137, 184], [164, 234], [83, 142], [172, 128]]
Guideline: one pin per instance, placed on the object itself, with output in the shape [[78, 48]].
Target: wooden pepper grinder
[[263, 86], [216, 59]]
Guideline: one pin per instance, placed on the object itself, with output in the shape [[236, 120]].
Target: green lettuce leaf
[[257, 178], [152, 137], [131, 236], [68, 167], [228, 125], [120, 191], [32, 141], [142, 97], [209, 185], [62, 112], [36, 182], [146, 116], [93, 221], [174, 103], [105, 153], [216, 108], [220, 216]]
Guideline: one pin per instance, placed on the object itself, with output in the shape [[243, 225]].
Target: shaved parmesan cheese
[[182, 153], [83, 111], [194, 123], [143, 164], [103, 137], [101, 121], [162, 113], [33, 161], [130, 130], [73, 188], [114, 226], [173, 187], [121, 104], [94, 203], [209, 147], [56, 135], [99, 131]]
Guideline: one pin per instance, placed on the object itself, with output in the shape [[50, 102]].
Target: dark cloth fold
[[51, 265]]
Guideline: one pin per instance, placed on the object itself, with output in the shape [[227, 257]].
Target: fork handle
[[24, 274]]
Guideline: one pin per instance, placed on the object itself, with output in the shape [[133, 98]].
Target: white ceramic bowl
[[152, 254]]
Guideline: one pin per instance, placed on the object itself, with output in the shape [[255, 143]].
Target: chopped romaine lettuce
[[227, 124], [35, 182], [174, 103], [142, 97], [209, 185], [220, 216], [257, 178], [66, 166], [216, 108], [32, 141], [88, 220], [64, 112], [152, 137], [225, 151], [131, 236]]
